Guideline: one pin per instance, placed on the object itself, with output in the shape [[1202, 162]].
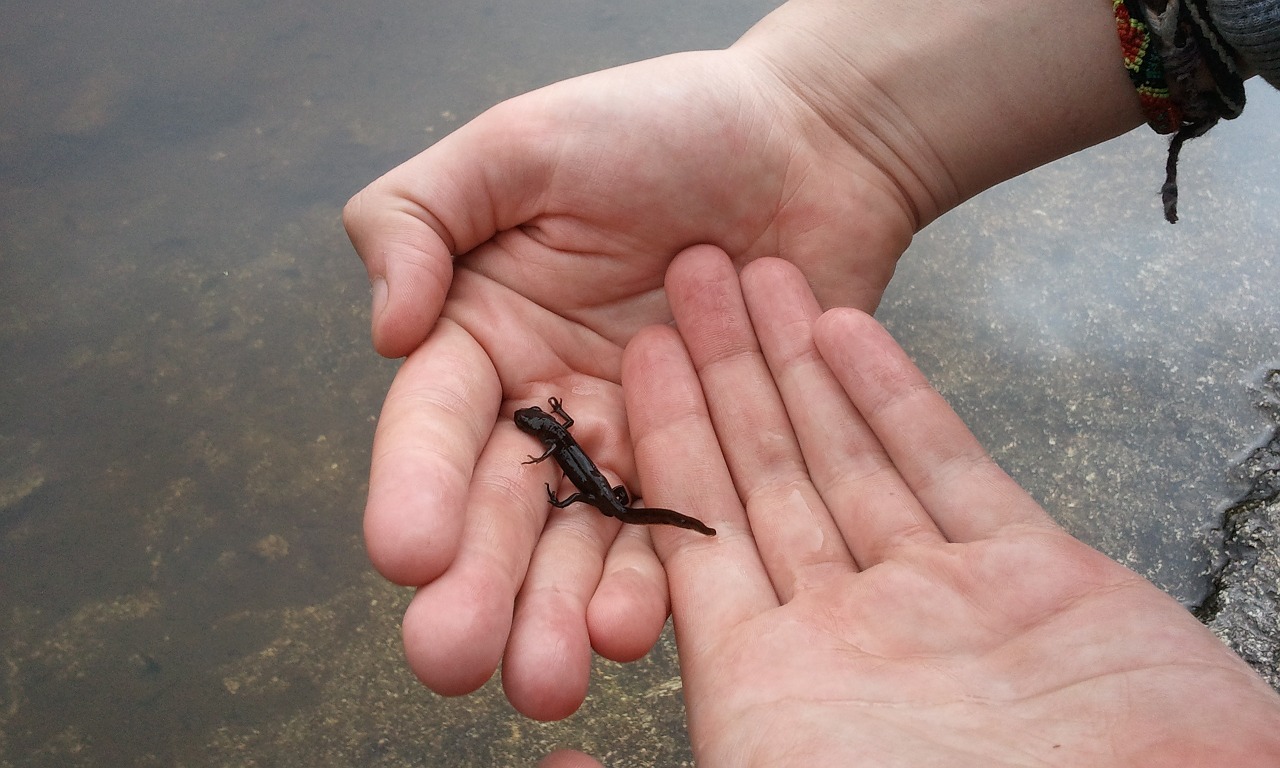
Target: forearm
[[952, 98]]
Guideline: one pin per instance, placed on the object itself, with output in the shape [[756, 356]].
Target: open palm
[[880, 593], [513, 261], [1028, 649]]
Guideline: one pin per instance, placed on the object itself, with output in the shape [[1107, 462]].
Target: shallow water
[[190, 394], [1110, 361]]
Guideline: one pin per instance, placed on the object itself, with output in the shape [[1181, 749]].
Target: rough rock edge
[[1243, 607]]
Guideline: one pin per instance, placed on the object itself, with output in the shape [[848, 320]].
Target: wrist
[[948, 99]]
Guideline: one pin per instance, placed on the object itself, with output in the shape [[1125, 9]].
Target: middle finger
[[868, 497]]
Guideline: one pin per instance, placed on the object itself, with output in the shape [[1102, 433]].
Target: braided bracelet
[[1146, 70], [1184, 72]]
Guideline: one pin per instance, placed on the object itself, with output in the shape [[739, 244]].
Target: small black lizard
[[593, 487]]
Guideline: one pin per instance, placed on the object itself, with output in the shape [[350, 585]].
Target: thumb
[[408, 225]]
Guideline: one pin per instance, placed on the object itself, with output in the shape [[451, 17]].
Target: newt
[[593, 487]]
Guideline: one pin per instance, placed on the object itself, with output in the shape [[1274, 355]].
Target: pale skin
[[881, 593], [517, 257]]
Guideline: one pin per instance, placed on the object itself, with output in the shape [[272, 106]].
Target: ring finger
[[797, 537]]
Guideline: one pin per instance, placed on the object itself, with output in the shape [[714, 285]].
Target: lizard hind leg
[[560, 503]]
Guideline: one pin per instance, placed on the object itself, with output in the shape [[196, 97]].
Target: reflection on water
[[189, 393]]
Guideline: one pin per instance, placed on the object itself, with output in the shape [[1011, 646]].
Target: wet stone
[[1243, 607]]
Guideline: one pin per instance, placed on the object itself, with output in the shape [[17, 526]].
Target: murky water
[[1105, 357], [188, 392]]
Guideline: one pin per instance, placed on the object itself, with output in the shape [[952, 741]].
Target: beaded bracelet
[[1185, 74]]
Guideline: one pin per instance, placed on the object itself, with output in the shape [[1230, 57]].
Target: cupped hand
[[880, 592], [512, 261]]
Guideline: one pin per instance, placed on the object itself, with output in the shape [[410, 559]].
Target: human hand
[[516, 257], [564, 207], [880, 592]]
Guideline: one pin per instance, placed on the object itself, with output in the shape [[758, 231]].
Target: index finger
[[961, 487]]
